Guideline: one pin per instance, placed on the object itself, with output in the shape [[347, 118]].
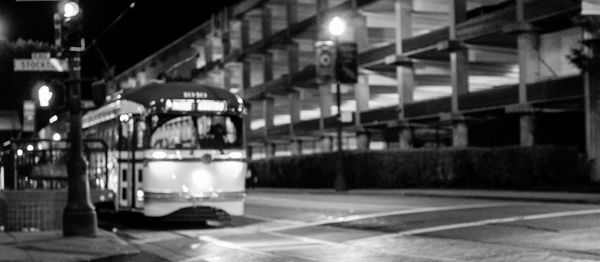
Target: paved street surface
[[297, 226]]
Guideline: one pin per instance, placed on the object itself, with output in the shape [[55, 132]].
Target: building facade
[[432, 73]]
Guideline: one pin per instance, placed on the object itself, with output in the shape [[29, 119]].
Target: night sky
[[146, 28]]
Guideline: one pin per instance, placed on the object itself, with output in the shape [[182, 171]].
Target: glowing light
[[140, 195], [44, 96], [337, 26], [56, 137], [19, 152], [185, 189], [71, 9], [124, 118], [159, 154], [236, 155], [202, 179], [53, 119], [29, 147]]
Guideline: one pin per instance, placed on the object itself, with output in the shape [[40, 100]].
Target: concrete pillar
[[359, 32], [245, 33], [592, 121], [291, 11], [296, 147], [226, 78], [295, 107], [268, 114], [208, 50], [246, 76], [363, 139], [459, 73], [325, 103], [270, 149], [362, 96], [529, 71], [460, 133], [405, 138], [321, 32], [293, 60], [293, 95], [326, 144], [267, 67], [266, 22], [405, 72], [226, 32]]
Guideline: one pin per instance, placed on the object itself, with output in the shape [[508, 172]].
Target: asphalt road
[[297, 226]]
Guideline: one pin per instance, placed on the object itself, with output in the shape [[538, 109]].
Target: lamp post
[[79, 217], [337, 26]]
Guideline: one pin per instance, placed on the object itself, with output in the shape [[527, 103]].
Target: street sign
[[325, 61], [40, 55], [39, 65], [347, 63], [28, 116]]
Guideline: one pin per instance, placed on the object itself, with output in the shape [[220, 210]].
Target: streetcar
[[176, 150]]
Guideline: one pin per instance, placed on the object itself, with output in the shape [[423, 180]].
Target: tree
[[585, 55]]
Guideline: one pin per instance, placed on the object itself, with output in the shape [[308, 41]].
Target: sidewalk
[[52, 246], [560, 197]]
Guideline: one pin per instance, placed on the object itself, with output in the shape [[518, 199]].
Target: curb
[[508, 198], [116, 257], [528, 196]]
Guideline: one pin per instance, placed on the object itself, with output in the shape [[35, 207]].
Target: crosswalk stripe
[[484, 222]]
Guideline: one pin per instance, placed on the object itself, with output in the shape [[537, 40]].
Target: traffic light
[[45, 96], [71, 29], [49, 96]]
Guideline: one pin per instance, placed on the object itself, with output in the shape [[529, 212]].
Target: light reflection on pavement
[[345, 227]]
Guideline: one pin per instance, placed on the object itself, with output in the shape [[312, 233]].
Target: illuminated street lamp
[[70, 9], [337, 26]]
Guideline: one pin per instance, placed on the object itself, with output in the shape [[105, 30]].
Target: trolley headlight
[[140, 195], [159, 154], [236, 155]]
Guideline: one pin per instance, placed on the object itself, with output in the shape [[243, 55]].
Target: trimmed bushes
[[507, 167]]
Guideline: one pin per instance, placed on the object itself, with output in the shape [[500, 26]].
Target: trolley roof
[[149, 94]]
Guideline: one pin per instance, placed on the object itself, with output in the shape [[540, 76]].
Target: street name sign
[[39, 65]]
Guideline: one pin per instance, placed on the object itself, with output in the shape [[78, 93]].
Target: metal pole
[[79, 217], [340, 179]]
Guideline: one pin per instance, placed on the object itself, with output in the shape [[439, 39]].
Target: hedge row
[[508, 167]]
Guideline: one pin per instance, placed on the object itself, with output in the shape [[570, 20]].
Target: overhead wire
[[94, 42]]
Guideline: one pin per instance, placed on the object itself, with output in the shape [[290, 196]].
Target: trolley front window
[[196, 132]]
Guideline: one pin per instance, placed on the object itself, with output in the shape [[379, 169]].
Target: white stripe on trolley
[[485, 222], [388, 213]]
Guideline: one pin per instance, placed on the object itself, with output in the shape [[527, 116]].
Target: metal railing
[[42, 164]]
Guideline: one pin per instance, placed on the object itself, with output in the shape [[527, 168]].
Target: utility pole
[[79, 217]]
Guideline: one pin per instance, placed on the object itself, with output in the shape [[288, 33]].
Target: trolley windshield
[[196, 132]]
